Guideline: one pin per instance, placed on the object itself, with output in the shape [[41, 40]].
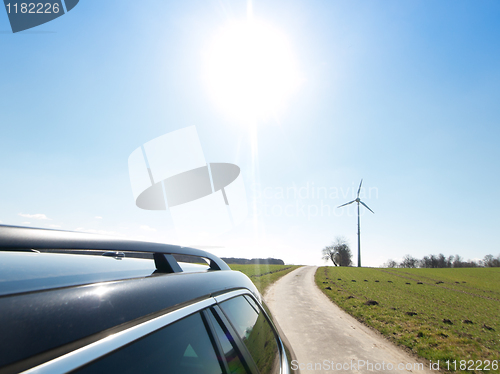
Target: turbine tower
[[366, 206]]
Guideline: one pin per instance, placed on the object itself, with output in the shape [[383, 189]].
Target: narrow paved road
[[325, 338]]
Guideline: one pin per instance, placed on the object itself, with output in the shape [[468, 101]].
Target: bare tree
[[441, 261], [339, 252], [457, 262], [425, 262], [390, 264], [449, 261], [491, 262], [409, 262]]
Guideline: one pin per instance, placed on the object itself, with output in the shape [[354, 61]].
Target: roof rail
[[26, 238]]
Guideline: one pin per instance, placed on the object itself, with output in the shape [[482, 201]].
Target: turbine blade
[[360, 183], [350, 202], [366, 206]]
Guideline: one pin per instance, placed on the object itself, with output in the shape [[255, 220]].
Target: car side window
[[229, 349], [255, 331], [182, 347]]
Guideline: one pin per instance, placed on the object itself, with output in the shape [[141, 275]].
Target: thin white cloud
[[34, 216], [26, 223], [98, 217], [147, 228], [55, 226]]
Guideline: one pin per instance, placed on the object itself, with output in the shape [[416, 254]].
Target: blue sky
[[401, 93]]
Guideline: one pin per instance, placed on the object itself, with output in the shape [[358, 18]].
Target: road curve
[[325, 338]]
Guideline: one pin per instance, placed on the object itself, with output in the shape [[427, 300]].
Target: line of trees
[[253, 261], [441, 261]]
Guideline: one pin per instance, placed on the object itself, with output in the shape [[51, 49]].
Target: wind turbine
[[366, 206]]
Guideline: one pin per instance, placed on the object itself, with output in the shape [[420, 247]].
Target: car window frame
[[241, 345], [226, 324], [227, 329], [200, 335], [83, 356]]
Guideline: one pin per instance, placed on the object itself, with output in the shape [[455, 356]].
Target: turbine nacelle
[[357, 200]]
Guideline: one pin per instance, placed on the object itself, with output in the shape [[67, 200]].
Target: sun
[[250, 70]]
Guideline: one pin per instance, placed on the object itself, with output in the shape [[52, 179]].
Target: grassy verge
[[440, 314], [264, 275]]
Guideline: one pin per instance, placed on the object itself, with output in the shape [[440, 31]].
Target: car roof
[[35, 271], [34, 323], [24, 269], [55, 301]]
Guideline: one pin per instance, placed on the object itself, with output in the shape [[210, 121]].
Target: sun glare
[[250, 70]]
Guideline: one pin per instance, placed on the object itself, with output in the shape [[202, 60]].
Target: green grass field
[[264, 275], [440, 314]]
